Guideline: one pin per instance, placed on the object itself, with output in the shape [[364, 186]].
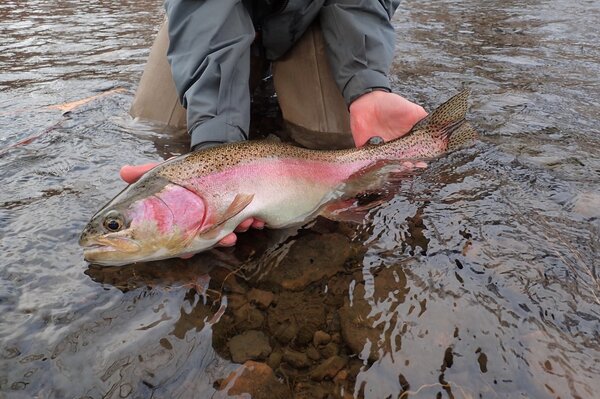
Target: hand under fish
[[190, 203]]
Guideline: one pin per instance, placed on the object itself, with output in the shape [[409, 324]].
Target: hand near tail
[[382, 114], [131, 174]]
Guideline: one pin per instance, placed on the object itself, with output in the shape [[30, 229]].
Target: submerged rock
[[321, 338], [357, 326], [257, 380], [296, 359], [248, 317], [328, 369], [296, 311], [311, 259], [358, 319], [262, 299], [250, 345]]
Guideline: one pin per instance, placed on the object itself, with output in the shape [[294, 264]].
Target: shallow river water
[[478, 279]]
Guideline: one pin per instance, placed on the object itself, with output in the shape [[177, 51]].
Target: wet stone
[[295, 311], [313, 353], [250, 345], [262, 299], [305, 335], [285, 333], [342, 375], [235, 301], [329, 350], [311, 259], [257, 380], [274, 360], [321, 338], [248, 317], [296, 359], [356, 325], [328, 369], [304, 390]]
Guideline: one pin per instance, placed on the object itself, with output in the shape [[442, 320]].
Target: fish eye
[[113, 221]]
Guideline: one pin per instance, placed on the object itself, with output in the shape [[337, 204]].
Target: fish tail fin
[[462, 136], [449, 117]]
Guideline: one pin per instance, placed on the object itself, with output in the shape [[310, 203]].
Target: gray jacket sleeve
[[360, 41], [209, 53]]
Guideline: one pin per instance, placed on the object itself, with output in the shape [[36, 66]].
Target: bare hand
[[131, 173], [382, 114]]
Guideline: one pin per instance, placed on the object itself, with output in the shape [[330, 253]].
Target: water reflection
[[479, 278]]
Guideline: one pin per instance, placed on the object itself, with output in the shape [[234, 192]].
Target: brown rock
[[261, 298], [274, 360], [342, 375], [357, 325], [312, 353], [312, 258], [305, 335], [311, 390], [250, 345], [328, 369], [296, 359], [235, 301], [321, 338], [285, 333], [257, 380], [247, 317], [329, 350], [295, 310]]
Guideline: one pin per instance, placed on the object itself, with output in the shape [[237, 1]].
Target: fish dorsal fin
[[452, 112]]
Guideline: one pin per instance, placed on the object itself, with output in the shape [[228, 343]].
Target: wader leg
[[156, 98], [313, 108]]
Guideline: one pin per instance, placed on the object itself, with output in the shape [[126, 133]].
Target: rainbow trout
[[189, 203]]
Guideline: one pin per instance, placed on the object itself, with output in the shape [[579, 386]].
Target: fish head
[[149, 220]]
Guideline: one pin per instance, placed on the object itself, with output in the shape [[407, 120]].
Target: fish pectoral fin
[[239, 203]]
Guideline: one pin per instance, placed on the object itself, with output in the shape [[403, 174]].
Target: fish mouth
[[97, 248], [102, 247]]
